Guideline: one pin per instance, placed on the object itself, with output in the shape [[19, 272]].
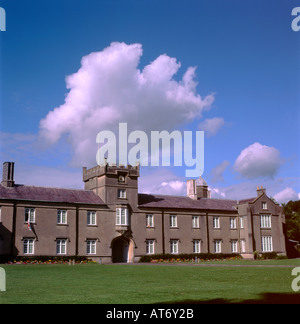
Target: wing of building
[[110, 221]]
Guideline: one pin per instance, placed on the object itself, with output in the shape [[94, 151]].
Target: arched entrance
[[122, 250]]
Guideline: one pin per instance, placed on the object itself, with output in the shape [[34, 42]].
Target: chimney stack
[[197, 189], [260, 191], [8, 174]]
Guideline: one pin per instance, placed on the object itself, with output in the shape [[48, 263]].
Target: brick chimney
[[260, 191], [8, 174]]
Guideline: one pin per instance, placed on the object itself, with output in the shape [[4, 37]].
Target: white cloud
[[110, 88], [212, 126], [217, 172], [161, 182], [286, 195], [258, 160]]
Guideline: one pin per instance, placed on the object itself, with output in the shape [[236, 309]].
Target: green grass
[[144, 284]]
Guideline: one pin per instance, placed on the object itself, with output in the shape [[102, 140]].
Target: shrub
[[186, 257]]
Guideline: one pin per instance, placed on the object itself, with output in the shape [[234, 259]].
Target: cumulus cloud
[[162, 182], [212, 126], [217, 172], [286, 195], [258, 160], [110, 88]]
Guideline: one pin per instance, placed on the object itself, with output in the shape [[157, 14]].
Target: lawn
[[144, 284]]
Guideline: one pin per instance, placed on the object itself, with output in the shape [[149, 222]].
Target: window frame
[[29, 215], [233, 222], [218, 246], [28, 244], [122, 194], [60, 245], [150, 247], [173, 221], [216, 222], [174, 246], [91, 218], [265, 221], [196, 246], [122, 219], [195, 221], [61, 214], [267, 243], [149, 220], [91, 246]]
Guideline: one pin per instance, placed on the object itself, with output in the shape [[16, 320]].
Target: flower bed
[[49, 260]]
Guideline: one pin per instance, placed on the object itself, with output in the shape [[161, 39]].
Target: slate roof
[[180, 202], [55, 195]]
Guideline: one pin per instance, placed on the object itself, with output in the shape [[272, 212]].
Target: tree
[[292, 216]]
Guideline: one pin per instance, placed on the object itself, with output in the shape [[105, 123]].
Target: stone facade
[[110, 221]]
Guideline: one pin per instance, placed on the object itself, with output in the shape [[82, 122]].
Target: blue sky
[[247, 59]]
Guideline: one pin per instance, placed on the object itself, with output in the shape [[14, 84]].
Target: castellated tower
[[115, 185]]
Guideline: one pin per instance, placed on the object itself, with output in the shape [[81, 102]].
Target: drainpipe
[[77, 231], [163, 231], [207, 232]]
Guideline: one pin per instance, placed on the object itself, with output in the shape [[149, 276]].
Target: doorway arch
[[122, 250]]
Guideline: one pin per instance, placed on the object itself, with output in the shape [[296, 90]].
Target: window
[[264, 205], [122, 193], [196, 246], [149, 220], [243, 246], [91, 246], [29, 215], [28, 246], [122, 217], [216, 222], [217, 246], [61, 217], [196, 222], [61, 246], [233, 222], [150, 246], [173, 220], [174, 246], [91, 218], [234, 246], [242, 222], [265, 221], [267, 244], [0, 216]]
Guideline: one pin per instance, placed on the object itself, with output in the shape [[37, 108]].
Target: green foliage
[[292, 216], [185, 257]]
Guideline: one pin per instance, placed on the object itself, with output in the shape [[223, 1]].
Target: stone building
[[110, 221]]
